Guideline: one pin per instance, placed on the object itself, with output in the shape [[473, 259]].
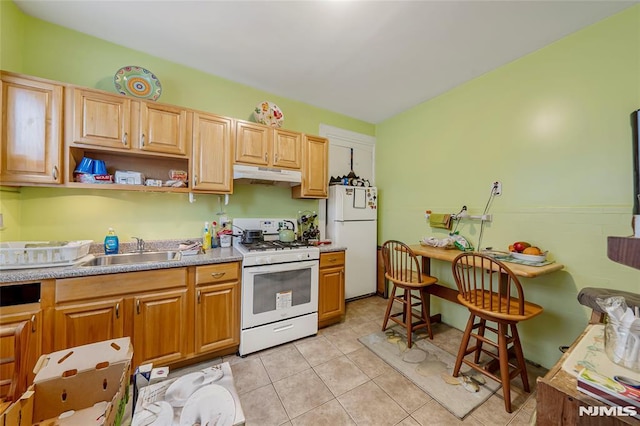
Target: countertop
[[216, 255]]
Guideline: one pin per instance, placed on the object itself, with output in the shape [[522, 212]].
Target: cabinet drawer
[[70, 289], [331, 259], [217, 273]]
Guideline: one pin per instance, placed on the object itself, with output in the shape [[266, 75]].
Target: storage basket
[[31, 254]]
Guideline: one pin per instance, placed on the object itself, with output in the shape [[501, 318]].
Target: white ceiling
[[366, 59]]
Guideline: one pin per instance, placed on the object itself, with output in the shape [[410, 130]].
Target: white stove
[[279, 286]]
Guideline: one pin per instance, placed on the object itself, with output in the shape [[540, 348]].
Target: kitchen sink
[[129, 258]]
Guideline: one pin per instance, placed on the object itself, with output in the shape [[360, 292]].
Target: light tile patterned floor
[[332, 379]]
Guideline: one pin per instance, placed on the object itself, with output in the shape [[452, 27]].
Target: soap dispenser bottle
[[206, 237], [111, 243]]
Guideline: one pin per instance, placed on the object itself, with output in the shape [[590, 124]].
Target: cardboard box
[[85, 382]]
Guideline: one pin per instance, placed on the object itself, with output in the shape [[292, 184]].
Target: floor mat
[[430, 368]]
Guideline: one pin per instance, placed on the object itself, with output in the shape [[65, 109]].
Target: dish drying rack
[[41, 254]]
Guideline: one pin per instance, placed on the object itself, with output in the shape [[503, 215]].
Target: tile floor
[[332, 379]]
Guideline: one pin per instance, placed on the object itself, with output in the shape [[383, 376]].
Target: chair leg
[[389, 306], [503, 357], [476, 357], [463, 345], [408, 317], [426, 311], [520, 357]]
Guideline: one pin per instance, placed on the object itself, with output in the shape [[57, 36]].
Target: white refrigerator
[[352, 214]]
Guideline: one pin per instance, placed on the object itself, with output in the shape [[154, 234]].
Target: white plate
[[268, 113], [179, 391], [158, 413], [210, 405], [529, 257]]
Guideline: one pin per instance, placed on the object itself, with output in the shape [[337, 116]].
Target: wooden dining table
[[448, 255]]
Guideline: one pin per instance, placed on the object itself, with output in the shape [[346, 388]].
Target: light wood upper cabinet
[[31, 130], [287, 149], [115, 122], [315, 180], [253, 143], [163, 129], [212, 153], [99, 119], [261, 145]]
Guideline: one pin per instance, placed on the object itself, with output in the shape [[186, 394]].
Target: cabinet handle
[[333, 259], [198, 297], [125, 138], [55, 172], [138, 306], [195, 180], [142, 141], [117, 310], [266, 157], [275, 157], [33, 323], [218, 274]]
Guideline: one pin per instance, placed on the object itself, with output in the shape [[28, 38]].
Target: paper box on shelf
[[90, 381]]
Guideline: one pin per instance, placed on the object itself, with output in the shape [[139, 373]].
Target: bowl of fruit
[[522, 250]]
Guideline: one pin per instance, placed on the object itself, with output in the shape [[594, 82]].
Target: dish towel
[[440, 220]]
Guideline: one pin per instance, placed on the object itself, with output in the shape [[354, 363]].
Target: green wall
[[554, 128], [34, 47]]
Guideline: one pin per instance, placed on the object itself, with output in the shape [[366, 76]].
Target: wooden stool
[[493, 295], [401, 267]]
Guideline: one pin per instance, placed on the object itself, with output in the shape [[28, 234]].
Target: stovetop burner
[[275, 245]]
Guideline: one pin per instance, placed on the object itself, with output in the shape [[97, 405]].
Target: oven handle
[[282, 267]]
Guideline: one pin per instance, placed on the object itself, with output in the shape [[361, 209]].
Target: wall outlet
[[497, 188]]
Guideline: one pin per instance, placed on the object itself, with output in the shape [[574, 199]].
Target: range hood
[[266, 175]]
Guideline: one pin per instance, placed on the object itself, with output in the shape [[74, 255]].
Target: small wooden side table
[[558, 399]]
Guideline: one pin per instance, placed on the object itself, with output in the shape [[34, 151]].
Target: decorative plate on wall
[[268, 113], [137, 82]]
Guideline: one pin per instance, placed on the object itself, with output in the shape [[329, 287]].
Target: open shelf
[[625, 250]]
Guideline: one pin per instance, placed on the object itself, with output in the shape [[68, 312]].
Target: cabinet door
[[35, 343], [331, 293], [85, 323], [160, 327], [101, 120], [163, 129], [315, 180], [217, 316], [31, 131], [287, 149], [212, 153], [253, 143]]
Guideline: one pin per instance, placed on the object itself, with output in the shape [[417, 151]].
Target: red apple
[[519, 246]]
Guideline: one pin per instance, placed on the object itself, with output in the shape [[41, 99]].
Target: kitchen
[[559, 143]]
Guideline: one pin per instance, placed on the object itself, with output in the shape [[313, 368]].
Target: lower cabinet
[[217, 307], [170, 314], [160, 327], [331, 288], [10, 316], [88, 322]]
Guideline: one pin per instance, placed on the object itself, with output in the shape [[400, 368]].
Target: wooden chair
[[402, 268], [492, 293], [18, 382]]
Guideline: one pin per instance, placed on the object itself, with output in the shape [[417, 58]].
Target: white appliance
[[352, 214], [279, 301]]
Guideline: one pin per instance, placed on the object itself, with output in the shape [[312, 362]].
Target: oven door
[[272, 293]]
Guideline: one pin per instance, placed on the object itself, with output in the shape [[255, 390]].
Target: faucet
[[139, 244]]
